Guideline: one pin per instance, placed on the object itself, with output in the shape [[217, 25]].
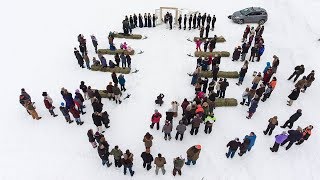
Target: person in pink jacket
[[198, 44], [155, 119]]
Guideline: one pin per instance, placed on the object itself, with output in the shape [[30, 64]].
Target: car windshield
[[245, 11]]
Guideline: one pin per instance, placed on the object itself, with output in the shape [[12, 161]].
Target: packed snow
[[37, 45]]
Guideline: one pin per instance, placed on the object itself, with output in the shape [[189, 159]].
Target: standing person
[[116, 59], [215, 71], [193, 154], [190, 21], [293, 118], [203, 19], [92, 140], [245, 49], [236, 53], [209, 19], [135, 21], [128, 60], [116, 153], [252, 138], [256, 80], [207, 30], [110, 93], [175, 108], [293, 96], [260, 52], [253, 107], [245, 95], [122, 82], [199, 21], [87, 60], [181, 128], [167, 129], [117, 93], [244, 146], [140, 21], [223, 87], [205, 45], [279, 139], [242, 73], [212, 44], [84, 88], [178, 163], [78, 100], [273, 122], [214, 19], [96, 105], [105, 119], [76, 114], [147, 139], [97, 120], [294, 136], [65, 113], [155, 119], [301, 83], [184, 105], [149, 20], [198, 45], [233, 147], [147, 159], [196, 121], [79, 57], [154, 18], [94, 42], [305, 134], [185, 22], [160, 162], [114, 78], [123, 60], [201, 32], [310, 78], [170, 20], [127, 162], [267, 93], [245, 33], [24, 97], [298, 70], [32, 110], [254, 51], [48, 103], [204, 83], [104, 155], [209, 120], [179, 21], [275, 64], [251, 95], [145, 20]]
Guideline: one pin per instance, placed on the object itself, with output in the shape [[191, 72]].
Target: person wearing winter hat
[[155, 119], [65, 113], [193, 154], [48, 103], [233, 147]]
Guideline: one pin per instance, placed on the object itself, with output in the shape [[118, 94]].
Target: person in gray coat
[[167, 129], [181, 128], [117, 93], [123, 60]]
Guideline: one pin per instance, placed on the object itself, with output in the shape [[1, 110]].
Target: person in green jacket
[[209, 120], [117, 153], [178, 163]]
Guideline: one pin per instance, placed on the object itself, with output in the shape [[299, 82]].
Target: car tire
[[241, 21], [262, 21]]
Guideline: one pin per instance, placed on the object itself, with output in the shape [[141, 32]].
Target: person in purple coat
[[279, 139], [294, 136]]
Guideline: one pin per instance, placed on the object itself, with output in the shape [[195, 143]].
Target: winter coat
[[79, 96], [48, 102], [294, 135], [260, 91], [273, 122], [193, 153], [156, 117], [306, 133], [178, 163], [253, 107], [128, 59], [233, 145], [123, 58], [294, 94], [245, 94], [160, 161], [245, 145], [75, 113], [280, 138], [147, 141], [116, 90], [301, 83], [299, 70], [167, 128], [252, 140], [114, 78], [310, 79], [103, 153], [97, 107], [185, 104], [245, 48], [127, 159], [256, 79], [251, 93], [90, 93], [210, 120], [97, 120], [83, 88], [109, 89], [146, 157], [69, 100], [243, 71], [121, 79], [169, 115], [261, 50], [295, 117], [90, 136], [236, 54], [117, 153], [196, 122], [224, 85], [64, 111], [181, 128], [267, 67], [273, 84]]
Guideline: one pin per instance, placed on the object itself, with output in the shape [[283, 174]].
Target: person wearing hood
[[233, 147], [147, 159], [193, 154], [167, 129], [293, 95], [279, 139], [273, 122], [293, 118], [65, 113], [267, 67], [48, 103], [181, 128], [122, 82], [294, 136]]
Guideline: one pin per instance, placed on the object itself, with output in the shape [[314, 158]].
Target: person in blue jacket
[[267, 67], [260, 52], [122, 82], [252, 138]]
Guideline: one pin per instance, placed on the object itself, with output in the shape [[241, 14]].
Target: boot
[[83, 113], [120, 102], [271, 149], [54, 115], [132, 173], [70, 121], [116, 101], [264, 132], [108, 165], [242, 103], [179, 172], [77, 123], [81, 123]]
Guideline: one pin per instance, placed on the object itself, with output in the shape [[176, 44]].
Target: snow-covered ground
[[37, 40]]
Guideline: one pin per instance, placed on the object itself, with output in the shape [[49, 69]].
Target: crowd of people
[[134, 21]]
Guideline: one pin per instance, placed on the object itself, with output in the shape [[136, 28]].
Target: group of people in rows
[[197, 21], [133, 21]]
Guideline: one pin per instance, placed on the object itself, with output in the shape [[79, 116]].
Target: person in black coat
[[293, 96], [114, 78], [105, 119], [170, 20], [147, 159], [185, 22], [149, 20], [190, 21], [180, 21], [208, 19], [244, 146], [236, 53], [204, 85], [169, 115], [233, 147], [104, 155], [213, 22], [203, 19], [207, 30], [289, 123], [97, 105], [135, 21], [242, 74], [145, 20], [215, 70], [223, 87], [199, 20], [140, 21], [97, 95], [205, 45], [154, 18], [79, 57], [298, 70], [92, 140], [294, 136], [254, 51], [212, 44], [194, 21], [131, 22], [97, 119]]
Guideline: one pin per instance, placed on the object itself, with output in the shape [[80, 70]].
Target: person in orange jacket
[[305, 134]]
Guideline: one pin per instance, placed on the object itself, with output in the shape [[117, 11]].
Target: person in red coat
[[155, 119], [48, 103], [184, 105], [76, 114], [267, 76]]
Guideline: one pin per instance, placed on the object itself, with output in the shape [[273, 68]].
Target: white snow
[[37, 40]]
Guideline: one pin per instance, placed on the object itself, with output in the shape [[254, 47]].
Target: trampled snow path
[[37, 42]]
